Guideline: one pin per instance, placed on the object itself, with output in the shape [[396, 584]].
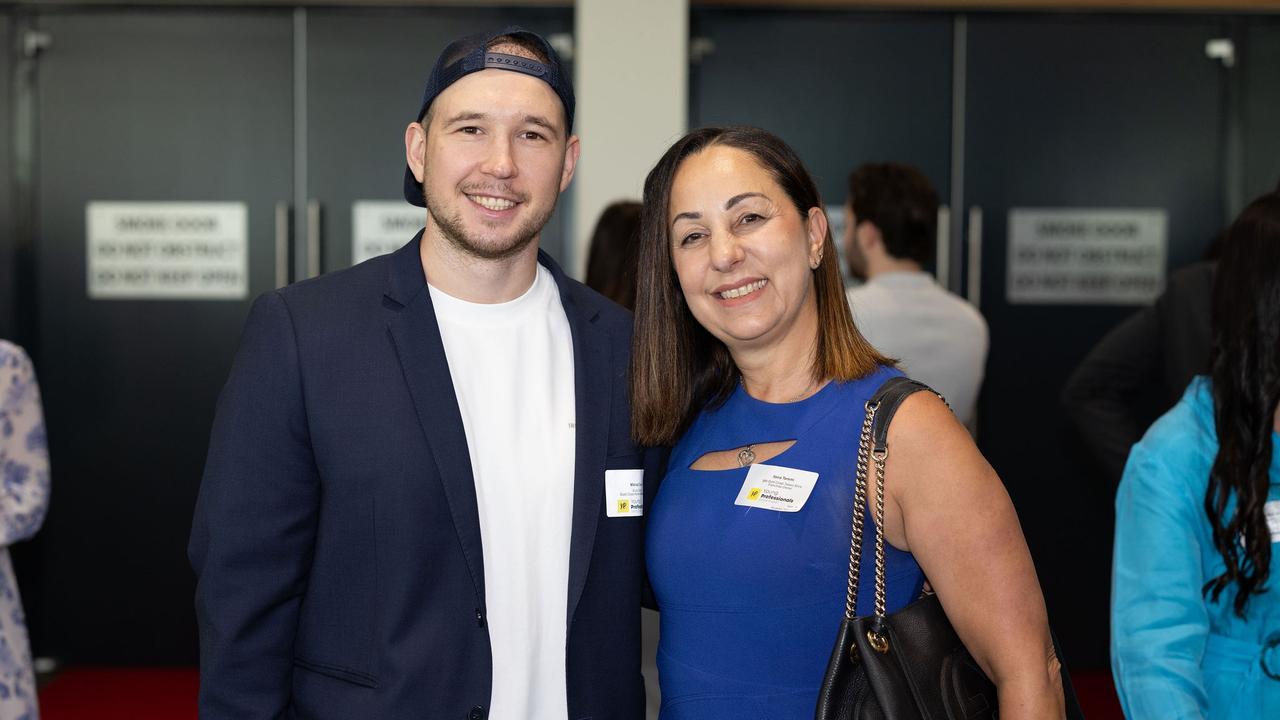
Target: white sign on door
[[167, 250], [1086, 256], [379, 227]]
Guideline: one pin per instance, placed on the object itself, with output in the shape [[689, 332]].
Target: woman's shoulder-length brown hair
[[677, 367]]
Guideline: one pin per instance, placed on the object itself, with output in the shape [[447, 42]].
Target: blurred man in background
[[890, 235]]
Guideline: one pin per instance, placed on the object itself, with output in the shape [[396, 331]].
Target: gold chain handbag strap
[[879, 642], [859, 502], [868, 454], [865, 457]]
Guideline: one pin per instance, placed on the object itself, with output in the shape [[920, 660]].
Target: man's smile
[[490, 202]]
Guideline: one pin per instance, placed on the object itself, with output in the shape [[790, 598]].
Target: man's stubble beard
[[451, 228]]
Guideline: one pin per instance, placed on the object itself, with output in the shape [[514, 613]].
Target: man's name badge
[[774, 487], [624, 493]]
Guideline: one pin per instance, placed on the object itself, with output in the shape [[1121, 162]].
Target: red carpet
[[1097, 694], [120, 694], [168, 694]]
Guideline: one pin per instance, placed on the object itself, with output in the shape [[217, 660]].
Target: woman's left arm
[[945, 504]]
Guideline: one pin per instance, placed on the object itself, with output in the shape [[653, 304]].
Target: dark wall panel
[[1078, 111], [843, 88], [147, 105], [1262, 107], [8, 240]]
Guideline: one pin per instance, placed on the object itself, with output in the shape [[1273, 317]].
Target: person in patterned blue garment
[[746, 357], [24, 462]]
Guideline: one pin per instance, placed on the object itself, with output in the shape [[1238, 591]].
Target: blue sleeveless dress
[[751, 598]]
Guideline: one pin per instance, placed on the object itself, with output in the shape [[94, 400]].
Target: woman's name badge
[[1272, 512], [774, 487]]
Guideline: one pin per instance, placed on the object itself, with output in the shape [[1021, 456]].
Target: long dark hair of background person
[[611, 264], [1245, 366]]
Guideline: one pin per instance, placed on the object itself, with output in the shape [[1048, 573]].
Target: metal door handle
[[975, 256], [313, 238], [282, 244]]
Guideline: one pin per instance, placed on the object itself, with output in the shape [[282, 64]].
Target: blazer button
[[477, 713]]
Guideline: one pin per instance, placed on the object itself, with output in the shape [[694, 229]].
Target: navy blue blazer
[[336, 537]]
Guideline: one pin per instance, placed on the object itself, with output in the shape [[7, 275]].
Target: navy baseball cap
[[471, 54]]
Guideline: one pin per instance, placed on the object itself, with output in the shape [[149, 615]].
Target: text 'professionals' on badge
[[773, 487]]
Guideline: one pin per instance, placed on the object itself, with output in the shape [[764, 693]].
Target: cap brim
[[412, 189]]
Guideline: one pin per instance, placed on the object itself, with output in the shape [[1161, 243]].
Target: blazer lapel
[[593, 394], [416, 337]]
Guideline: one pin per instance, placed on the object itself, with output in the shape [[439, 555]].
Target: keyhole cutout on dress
[[730, 459]]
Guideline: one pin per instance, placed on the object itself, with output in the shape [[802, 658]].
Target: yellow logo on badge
[[624, 506], [754, 494]]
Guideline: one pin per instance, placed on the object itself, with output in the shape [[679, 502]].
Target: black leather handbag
[[910, 665]]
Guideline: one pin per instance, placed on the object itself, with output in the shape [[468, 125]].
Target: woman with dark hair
[[611, 262], [746, 359], [1195, 624]]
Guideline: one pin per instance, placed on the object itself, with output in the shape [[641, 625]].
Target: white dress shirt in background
[[939, 339]]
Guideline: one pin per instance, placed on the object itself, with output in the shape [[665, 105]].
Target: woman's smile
[[733, 294]]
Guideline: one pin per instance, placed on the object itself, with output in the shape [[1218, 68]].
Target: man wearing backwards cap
[[421, 497]]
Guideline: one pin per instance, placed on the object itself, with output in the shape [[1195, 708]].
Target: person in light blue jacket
[[1195, 608]]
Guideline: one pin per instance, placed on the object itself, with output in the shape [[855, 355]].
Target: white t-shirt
[[512, 370], [940, 339]]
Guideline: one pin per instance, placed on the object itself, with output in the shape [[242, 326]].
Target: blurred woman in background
[[1195, 623], [611, 263]]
